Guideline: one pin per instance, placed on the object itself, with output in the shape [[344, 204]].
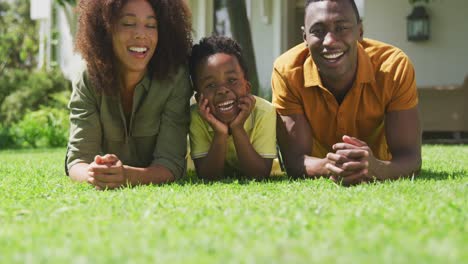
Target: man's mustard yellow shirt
[[385, 82]]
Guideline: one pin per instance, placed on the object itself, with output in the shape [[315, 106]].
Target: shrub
[[47, 127], [29, 90], [6, 138], [18, 36], [10, 81]]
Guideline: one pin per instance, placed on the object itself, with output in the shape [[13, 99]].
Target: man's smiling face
[[332, 32]]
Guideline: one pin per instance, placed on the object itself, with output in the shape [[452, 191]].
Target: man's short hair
[[353, 4]]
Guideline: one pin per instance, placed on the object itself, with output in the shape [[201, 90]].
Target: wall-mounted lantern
[[418, 24]]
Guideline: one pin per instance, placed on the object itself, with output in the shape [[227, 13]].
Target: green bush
[[7, 139], [10, 81], [18, 36], [47, 127], [28, 91]]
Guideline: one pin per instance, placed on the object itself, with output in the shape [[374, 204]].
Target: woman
[[129, 111]]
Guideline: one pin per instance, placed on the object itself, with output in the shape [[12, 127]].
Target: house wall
[[442, 60], [202, 18], [280, 33], [267, 37], [262, 38], [267, 26]]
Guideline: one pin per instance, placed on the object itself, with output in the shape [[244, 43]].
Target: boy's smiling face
[[221, 80]]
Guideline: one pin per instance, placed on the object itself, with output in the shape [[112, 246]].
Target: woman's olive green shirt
[[155, 134]]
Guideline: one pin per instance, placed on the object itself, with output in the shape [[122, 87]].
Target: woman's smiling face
[[135, 36]]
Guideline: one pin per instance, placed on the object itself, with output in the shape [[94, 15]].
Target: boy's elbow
[[265, 170]]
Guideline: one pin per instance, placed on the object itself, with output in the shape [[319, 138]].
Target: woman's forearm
[[79, 172], [155, 174]]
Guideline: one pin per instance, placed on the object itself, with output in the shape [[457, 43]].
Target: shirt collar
[[365, 72], [145, 82], [311, 74]]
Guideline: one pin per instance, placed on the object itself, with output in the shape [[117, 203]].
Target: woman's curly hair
[[94, 39]]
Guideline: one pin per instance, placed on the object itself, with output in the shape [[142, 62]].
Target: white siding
[[442, 60], [266, 41]]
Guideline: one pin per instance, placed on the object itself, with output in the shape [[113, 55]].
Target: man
[[347, 106]]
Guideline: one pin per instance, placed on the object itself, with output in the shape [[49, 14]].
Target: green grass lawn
[[45, 218]]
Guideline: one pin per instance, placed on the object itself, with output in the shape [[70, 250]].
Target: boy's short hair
[[211, 45]]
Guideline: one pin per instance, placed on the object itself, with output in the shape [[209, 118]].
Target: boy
[[231, 131]]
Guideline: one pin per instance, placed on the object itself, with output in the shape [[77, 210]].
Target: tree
[[240, 28], [22, 87], [18, 36]]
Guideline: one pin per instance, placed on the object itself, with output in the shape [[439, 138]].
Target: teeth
[[226, 106], [333, 55], [226, 103], [138, 49]]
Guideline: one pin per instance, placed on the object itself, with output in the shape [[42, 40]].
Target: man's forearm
[[315, 167], [306, 166], [399, 167]]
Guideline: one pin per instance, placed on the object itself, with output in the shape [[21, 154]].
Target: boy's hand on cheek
[[246, 105], [205, 112]]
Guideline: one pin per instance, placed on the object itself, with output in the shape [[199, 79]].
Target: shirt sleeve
[[200, 140], [404, 93], [85, 125], [171, 144], [264, 141], [283, 98]]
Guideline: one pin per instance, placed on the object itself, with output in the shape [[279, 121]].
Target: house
[[276, 27], [440, 62]]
